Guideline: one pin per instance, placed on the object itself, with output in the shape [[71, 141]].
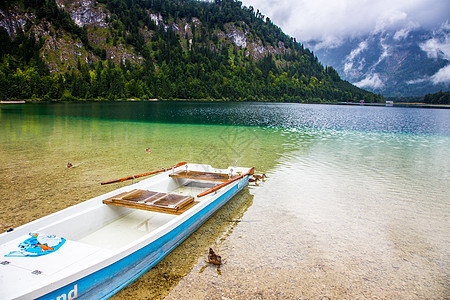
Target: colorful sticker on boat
[[38, 244]]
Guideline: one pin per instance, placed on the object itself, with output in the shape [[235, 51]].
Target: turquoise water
[[318, 117], [355, 204]]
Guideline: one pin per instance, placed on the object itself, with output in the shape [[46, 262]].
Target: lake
[[355, 204]]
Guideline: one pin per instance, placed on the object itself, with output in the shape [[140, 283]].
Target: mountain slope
[[114, 49], [395, 63]]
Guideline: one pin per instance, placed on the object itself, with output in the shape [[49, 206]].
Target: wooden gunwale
[[219, 186]]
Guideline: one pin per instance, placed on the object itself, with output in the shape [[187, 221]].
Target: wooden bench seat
[[201, 176], [153, 201]]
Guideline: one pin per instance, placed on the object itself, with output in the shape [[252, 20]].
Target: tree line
[[437, 98]]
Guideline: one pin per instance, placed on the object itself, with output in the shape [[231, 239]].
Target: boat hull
[[108, 280]]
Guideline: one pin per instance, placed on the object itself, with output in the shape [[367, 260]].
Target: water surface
[[355, 204]]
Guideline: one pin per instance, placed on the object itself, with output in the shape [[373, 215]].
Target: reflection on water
[[280, 115], [352, 207]]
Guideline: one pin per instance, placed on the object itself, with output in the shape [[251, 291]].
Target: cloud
[[371, 81], [361, 47], [354, 63], [350, 59], [386, 50], [330, 22], [402, 34], [436, 49], [389, 18], [439, 45], [442, 76], [418, 81]]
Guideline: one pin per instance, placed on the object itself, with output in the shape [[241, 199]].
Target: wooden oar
[[144, 174], [219, 186]]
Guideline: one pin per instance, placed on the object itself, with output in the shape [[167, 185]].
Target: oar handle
[[143, 174], [219, 186]]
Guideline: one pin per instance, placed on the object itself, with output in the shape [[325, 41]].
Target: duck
[[259, 177], [214, 258]]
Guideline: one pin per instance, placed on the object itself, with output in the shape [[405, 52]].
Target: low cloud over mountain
[[390, 47], [395, 63]]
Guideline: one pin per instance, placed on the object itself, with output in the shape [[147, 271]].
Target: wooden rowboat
[[95, 248]]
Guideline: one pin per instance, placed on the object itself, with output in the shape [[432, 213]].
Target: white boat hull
[[87, 266]]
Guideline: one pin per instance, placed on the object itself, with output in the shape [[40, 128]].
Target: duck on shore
[[214, 258]]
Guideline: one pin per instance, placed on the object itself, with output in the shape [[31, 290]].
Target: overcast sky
[[330, 21]]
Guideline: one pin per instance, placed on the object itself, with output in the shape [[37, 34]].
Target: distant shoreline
[[400, 104], [12, 102]]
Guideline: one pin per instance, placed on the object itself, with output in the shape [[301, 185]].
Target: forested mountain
[[164, 49]]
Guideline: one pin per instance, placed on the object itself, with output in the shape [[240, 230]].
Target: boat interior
[[149, 208], [122, 217], [128, 216], [176, 202]]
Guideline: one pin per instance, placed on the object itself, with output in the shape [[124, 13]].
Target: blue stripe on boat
[[106, 282]]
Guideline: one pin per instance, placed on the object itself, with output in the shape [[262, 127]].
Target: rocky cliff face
[[13, 19], [253, 46], [62, 50], [85, 12]]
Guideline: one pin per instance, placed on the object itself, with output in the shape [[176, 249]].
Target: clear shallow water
[[355, 204]]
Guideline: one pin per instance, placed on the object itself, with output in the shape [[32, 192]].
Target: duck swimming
[[257, 177]]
